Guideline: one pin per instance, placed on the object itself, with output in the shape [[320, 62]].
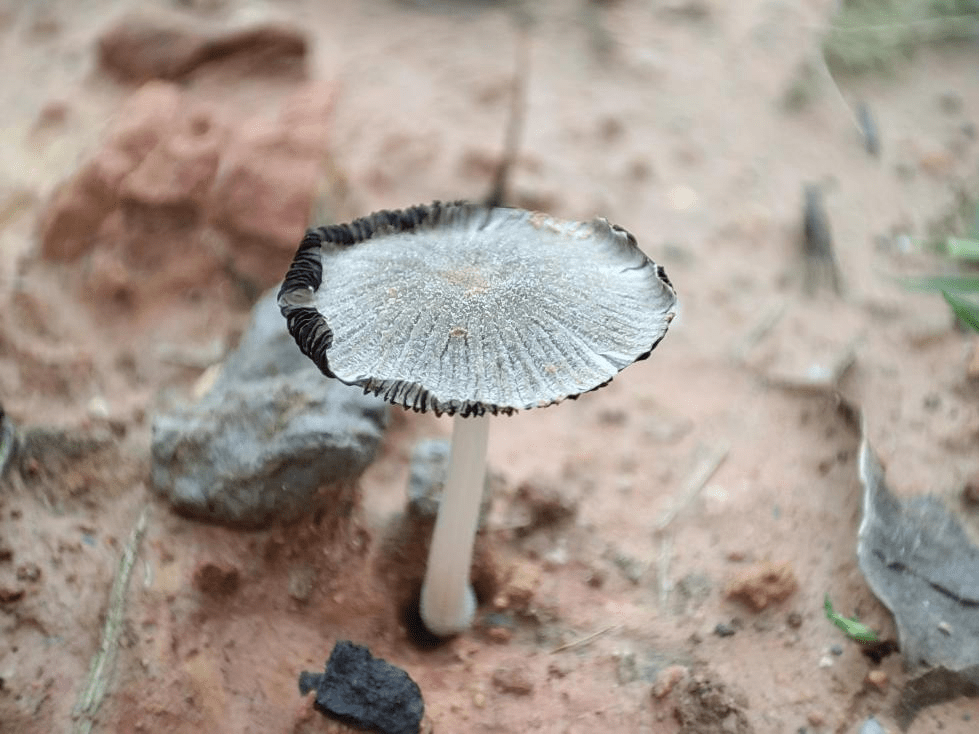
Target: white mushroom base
[[448, 603]]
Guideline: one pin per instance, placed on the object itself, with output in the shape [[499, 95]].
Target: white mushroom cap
[[462, 309]]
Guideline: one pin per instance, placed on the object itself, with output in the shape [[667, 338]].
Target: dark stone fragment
[[868, 126], [821, 266], [6, 441], [724, 630], [363, 691]]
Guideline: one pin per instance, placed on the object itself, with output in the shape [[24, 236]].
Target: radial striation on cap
[[462, 309]]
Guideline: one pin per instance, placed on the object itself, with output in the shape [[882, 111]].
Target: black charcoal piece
[[367, 692]]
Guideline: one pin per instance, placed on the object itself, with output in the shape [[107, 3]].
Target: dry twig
[[98, 675], [588, 639]]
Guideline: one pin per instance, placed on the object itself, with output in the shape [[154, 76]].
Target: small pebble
[[519, 589], [499, 635], [836, 650], [498, 627], [667, 680], [28, 572], [794, 620], [301, 582], [815, 719], [872, 726], [723, 630], [596, 578], [878, 679], [98, 408]]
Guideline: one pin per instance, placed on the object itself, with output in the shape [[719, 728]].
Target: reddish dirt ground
[[664, 118]]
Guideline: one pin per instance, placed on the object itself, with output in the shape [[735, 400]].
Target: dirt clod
[[763, 584], [667, 680], [704, 706], [546, 505], [216, 579], [518, 591], [10, 594], [513, 680]]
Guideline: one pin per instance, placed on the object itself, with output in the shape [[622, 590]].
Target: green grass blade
[[963, 248], [967, 311], [961, 283], [852, 628]]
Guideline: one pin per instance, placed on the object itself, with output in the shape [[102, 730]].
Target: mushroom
[[471, 311]]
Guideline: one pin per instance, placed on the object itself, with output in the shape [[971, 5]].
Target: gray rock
[[429, 468], [273, 439], [921, 563]]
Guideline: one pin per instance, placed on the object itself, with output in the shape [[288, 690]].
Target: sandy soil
[[668, 122]]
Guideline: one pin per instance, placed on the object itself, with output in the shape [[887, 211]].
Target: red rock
[[262, 49], [144, 118], [180, 168], [72, 220], [266, 196], [308, 115], [139, 48], [273, 172], [77, 209], [178, 194]]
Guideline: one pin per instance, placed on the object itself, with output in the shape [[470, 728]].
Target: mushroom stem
[[448, 603]]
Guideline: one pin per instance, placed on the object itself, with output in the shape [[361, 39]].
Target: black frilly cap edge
[[314, 336]]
